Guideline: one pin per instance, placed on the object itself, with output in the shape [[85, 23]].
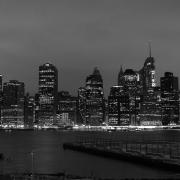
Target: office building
[[67, 109], [91, 103], [48, 89], [29, 111], [13, 104], [170, 99]]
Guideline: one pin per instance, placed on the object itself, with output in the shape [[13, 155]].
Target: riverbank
[[94, 128]]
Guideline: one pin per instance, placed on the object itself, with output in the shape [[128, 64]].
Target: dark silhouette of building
[[67, 109], [1, 94], [48, 89], [29, 111], [170, 99], [121, 77], [114, 106], [13, 104], [92, 99]]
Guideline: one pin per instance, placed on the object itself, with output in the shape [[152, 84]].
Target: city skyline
[[106, 93], [77, 36]]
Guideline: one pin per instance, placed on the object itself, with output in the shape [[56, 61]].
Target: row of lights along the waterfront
[[135, 100]]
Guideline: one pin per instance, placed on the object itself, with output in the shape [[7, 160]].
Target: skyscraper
[[13, 104], [114, 106], [67, 109], [170, 99], [29, 111], [1, 84], [48, 89], [94, 98], [130, 99], [150, 113], [121, 77], [81, 106], [1, 94], [124, 100], [91, 105], [147, 74]]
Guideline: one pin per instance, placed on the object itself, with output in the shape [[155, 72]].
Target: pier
[[158, 154]]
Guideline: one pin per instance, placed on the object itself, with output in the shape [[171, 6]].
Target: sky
[[78, 35]]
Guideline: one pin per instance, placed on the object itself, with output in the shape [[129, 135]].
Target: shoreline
[[96, 128]]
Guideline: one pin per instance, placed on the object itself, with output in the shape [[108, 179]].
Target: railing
[[159, 149]]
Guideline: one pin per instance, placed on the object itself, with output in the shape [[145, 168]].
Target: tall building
[[29, 111], [81, 106], [36, 102], [48, 89], [114, 106], [94, 99], [1, 94], [13, 104], [148, 74], [150, 111], [91, 105], [121, 77], [130, 100], [124, 100], [170, 99], [1, 84], [67, 109]]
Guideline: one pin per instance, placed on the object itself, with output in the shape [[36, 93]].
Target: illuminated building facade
[[91, 103], [94, 99], [48, 89], [36, 108], [130, 100], [67, 109], [29, 111], [113, 106], [170, 99], [150, 113], [124, 100], [1, 94], [81, 106], [148, 74], [13, 104]]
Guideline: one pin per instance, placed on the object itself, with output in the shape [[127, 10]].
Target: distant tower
[[91, 103], [94, 98], [121, 77], [48, 89], [147, 73], [1, 94], [1, 85]]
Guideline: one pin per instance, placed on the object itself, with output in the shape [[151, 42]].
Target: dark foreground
[[130, 156], [51, 158]]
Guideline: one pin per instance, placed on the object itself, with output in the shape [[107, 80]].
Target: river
[[50, 157]]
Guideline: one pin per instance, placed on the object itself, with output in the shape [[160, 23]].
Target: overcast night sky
[[78, 35]]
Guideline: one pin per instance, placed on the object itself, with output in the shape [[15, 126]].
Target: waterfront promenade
[[159, 154]]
